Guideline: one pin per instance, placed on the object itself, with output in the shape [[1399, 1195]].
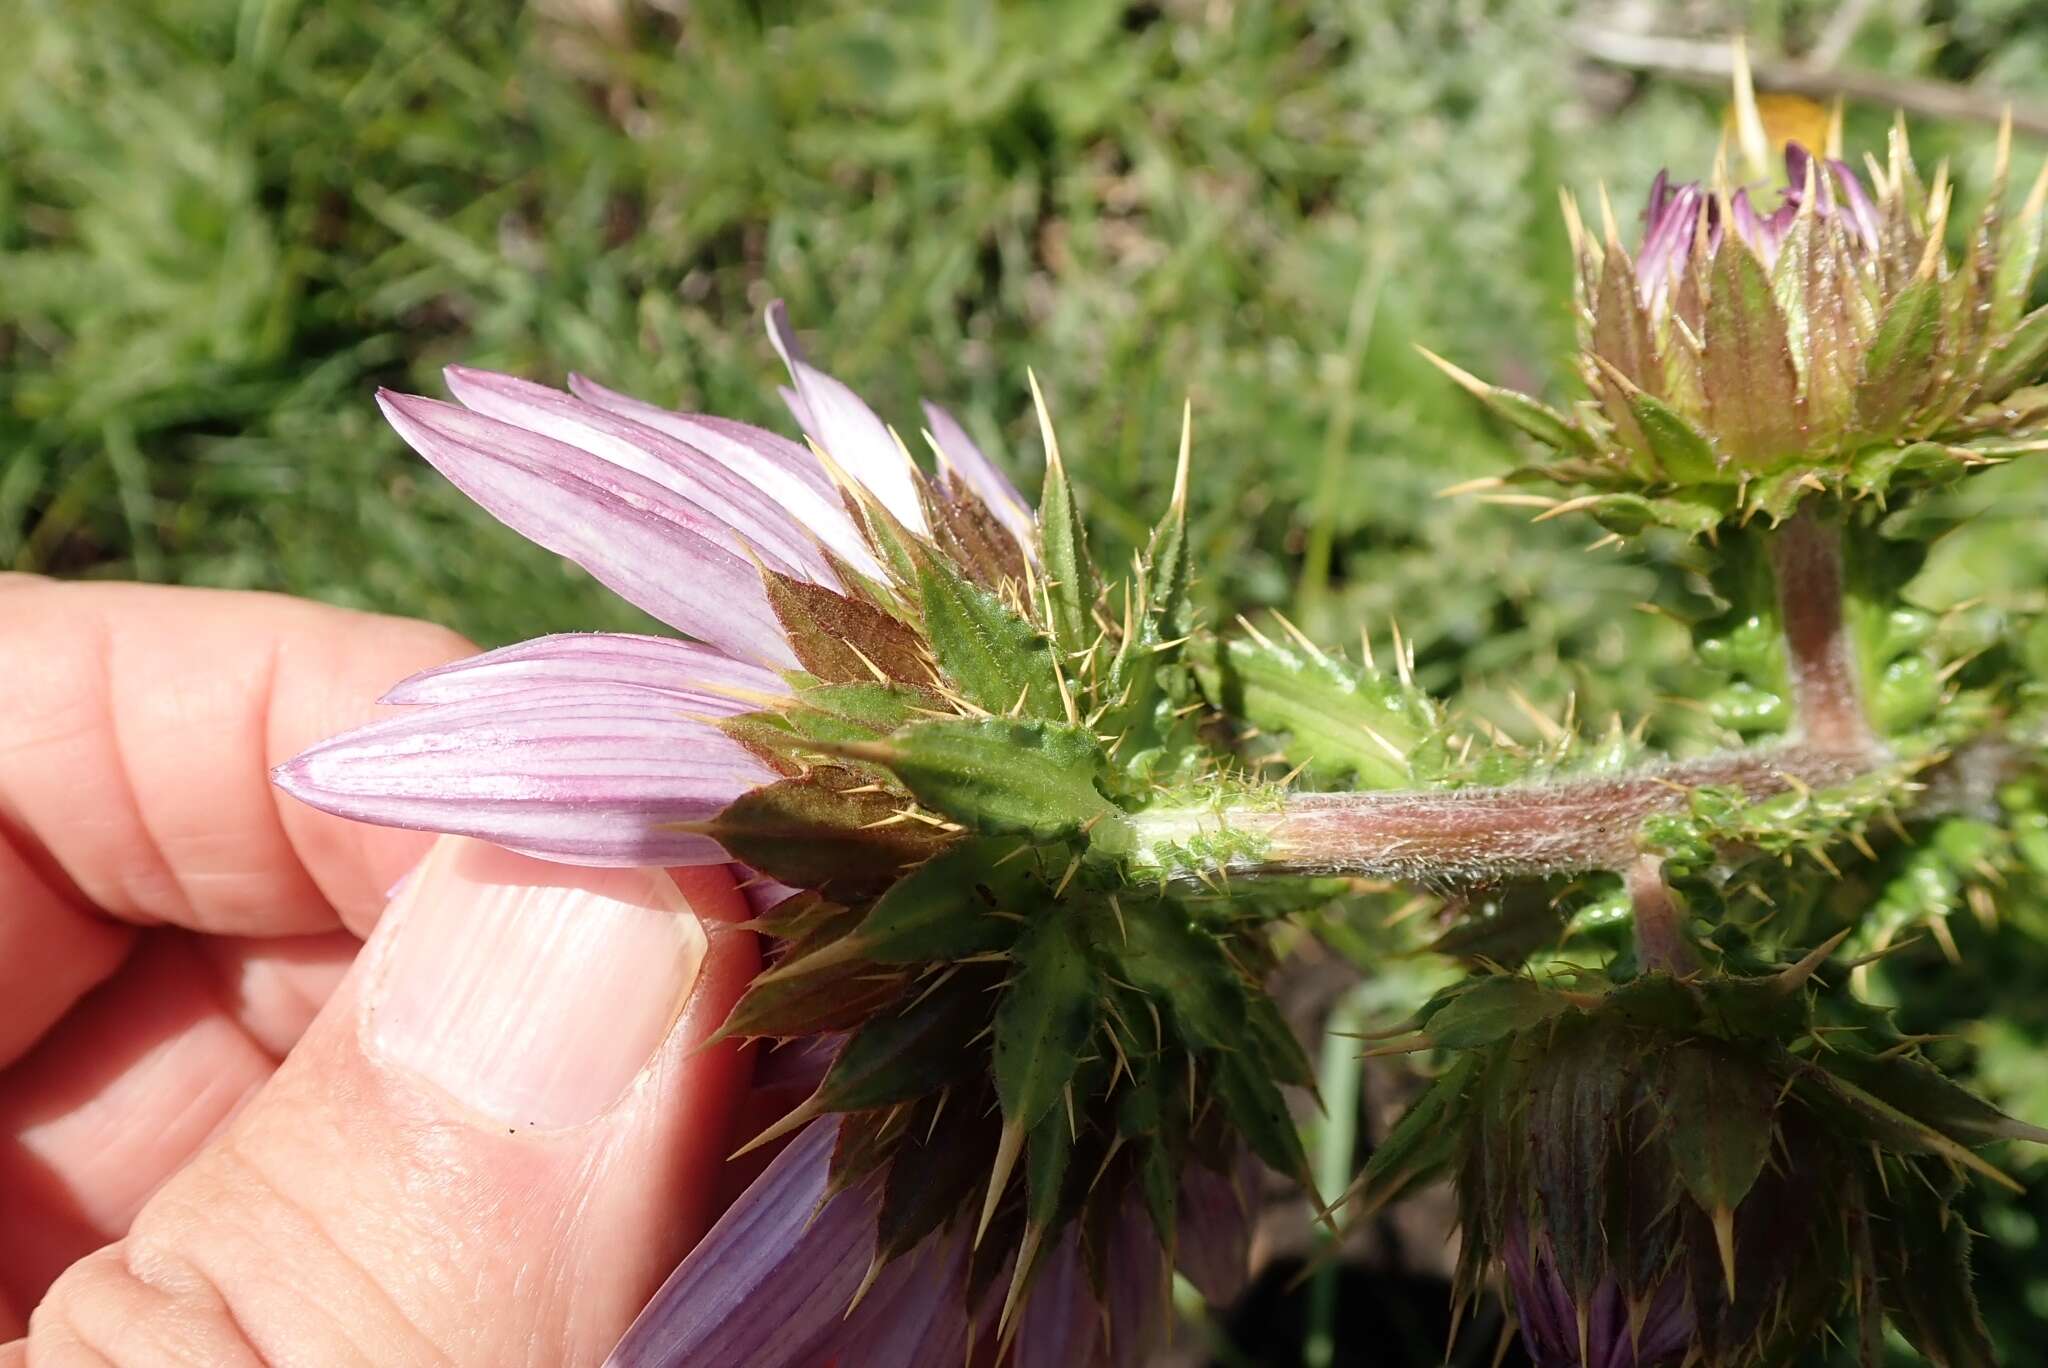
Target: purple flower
[[604, 749], [1611, 1333], [1682, 224], [786, 1279]]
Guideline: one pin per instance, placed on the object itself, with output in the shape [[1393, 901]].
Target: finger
[[133, 1082], [491, 1146], [134, 754], [141, 729]]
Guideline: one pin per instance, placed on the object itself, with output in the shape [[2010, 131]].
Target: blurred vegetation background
[[224, 222]]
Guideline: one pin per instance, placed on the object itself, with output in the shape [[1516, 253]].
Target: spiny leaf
[[1681, 453], [950, 907], [1069, 572], [1348, 722], [1260, 1113], [995, 658], [934, 1173], [1491, 1009], [1003, 778], [1047, 1149], [1752, 388], [1923, 1258], [1045, 1018], [1720, 1108], [1929, 1097], [830, 633], [1894, 367], [1183, 971], [1532, 416], [918, 1051], [814, 988], [2019, 359], [1423, 1144], [813, 832]]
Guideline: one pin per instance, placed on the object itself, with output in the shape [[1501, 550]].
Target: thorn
[[1792, 976], [1749, 124], [1181, 465], [1008, 1148], [1045, 432], [1027, 1250], [1491, 481], [1724, 1236], [1301, 638], [1471, 383], [805, 1112], [874, 1271]]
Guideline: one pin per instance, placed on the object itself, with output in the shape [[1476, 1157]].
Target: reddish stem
[[1661, 943], [1465, 835], [1807, 556]]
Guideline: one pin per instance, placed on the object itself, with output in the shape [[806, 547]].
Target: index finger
[[137, 735]]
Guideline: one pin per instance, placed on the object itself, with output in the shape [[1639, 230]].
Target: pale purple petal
[[635, 536], [1212, 1244], [769, 1286], [784, 471], [749, 522], [1060, 1325], [1856, 200], [713, 682], [848, 430], [596, 775], [916, 1313], [762, 893], [983, 476], [1137, 1288]]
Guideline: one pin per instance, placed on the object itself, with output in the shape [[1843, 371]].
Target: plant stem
[[1447, 837], [1661, 942], [1807, 557]]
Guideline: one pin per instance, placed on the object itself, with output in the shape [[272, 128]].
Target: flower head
[[909, 702], [1744, 358], [1670, 1169]]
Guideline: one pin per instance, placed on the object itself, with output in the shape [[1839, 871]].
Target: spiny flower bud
[[1679, 1169], [1744, 358]]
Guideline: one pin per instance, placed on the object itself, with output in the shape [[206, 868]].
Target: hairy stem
[[1661, 942], [1443, 838], [1807, 558], [1463, 835]]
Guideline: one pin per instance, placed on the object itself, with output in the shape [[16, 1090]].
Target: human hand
[[227, 1137]]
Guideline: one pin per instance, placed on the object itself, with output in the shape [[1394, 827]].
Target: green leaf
[[1923, 1093], [950, 907], [1045, 1018], [1532, 416], [2019, 359], [1491, 1009], [813, 832], [1047, 1148], [1004, 778], [814, 988], [1721, 1109], [1682, 454], [1895, 367], [1183, 971], [1350, 723], [1424, 1144], [936, 1171], [1923, 1262], [1255, 1106], [1069, 572], [1746, 361], [987, 652], [1278, 1048], [830, 634], [918, 1051]]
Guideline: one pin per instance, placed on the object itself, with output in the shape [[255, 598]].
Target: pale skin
[[198, 1161]]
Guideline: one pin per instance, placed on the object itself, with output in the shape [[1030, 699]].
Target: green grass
[[223, 223]]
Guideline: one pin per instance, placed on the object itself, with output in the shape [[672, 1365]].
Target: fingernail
[[532, 993]]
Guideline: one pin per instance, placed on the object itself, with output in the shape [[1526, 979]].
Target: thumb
[[495, 1141]]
